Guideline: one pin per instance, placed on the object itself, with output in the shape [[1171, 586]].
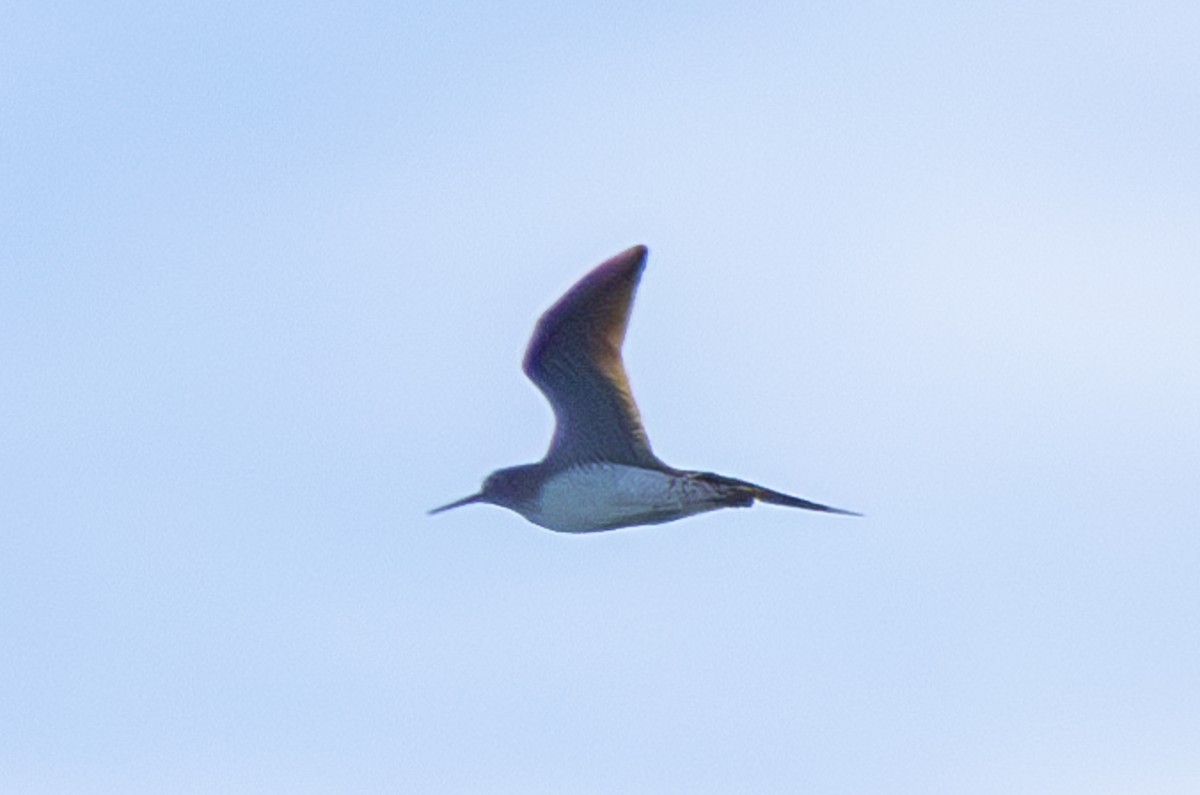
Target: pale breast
[[606, 496]]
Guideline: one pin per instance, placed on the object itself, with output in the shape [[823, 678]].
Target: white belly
[[607, 496]]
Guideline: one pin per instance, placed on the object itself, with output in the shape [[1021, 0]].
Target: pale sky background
[[267, 274]]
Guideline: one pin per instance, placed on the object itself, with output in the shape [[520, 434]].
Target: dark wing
[[574, 357]]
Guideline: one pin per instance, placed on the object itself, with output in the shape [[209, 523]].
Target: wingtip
[[816, 506], [779, 498], [634, 256]]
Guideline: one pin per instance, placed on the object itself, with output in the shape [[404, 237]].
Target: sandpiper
[[599, 473]]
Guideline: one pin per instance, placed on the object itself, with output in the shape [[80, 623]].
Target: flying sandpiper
[[599, 473]]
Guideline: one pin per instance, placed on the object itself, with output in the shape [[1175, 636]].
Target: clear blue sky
[[266, 275]]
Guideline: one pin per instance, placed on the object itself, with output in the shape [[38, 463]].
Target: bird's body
[[592, 497], [600, 473]]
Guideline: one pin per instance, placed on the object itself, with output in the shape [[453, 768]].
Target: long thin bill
[[459, 503]]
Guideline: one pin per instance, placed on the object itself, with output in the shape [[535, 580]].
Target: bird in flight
[[600, 473]]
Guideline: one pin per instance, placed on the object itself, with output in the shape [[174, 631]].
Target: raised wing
[[574, 357]]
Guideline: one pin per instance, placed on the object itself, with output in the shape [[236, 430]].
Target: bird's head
[[514, 488]]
